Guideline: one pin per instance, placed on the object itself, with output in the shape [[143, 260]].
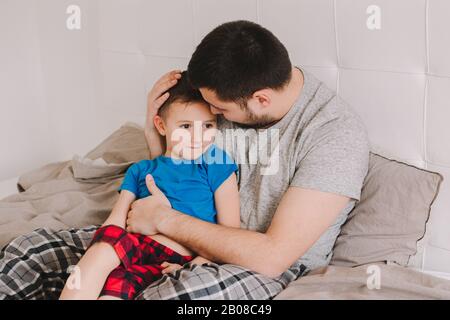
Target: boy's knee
[[117, 239]]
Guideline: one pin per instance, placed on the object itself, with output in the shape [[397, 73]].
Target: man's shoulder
[[329, 114], [322, 108], [337, 126]]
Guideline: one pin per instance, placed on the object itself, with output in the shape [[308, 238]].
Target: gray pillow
[[391, 215]]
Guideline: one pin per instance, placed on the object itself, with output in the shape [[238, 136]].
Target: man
[[290, 218]]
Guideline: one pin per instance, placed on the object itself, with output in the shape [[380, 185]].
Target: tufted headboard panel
[[389, 59]]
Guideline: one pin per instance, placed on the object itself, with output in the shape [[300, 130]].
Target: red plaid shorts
[[140, 257]]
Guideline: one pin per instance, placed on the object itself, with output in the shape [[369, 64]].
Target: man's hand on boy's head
[[155, 99], [158, 95], [142, 210]]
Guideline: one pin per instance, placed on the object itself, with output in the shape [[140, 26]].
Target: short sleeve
[[336, 162], [130, 181], [219, 166]]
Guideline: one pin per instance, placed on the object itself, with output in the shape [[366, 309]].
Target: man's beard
[[257, 122]]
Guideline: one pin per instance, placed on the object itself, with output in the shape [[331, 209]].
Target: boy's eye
[[185, 126], [209, 125]]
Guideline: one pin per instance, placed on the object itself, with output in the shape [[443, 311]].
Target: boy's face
[[189, 128]]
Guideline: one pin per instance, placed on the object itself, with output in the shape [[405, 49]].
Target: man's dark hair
[[181, 92], [238, 58]]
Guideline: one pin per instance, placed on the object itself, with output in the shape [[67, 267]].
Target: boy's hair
[[238, 58], [181, 92]]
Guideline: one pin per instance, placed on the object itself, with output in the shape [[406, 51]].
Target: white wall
[[25, 137], [48, 84]]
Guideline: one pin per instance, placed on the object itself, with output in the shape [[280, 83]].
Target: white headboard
[[390, 59]]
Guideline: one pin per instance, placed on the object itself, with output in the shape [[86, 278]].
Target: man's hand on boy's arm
[[302, 216], [136, 224], [155, 99]]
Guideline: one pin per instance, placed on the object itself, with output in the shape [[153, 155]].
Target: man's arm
[[156, 144], [226, 200], [155, 99], [302, 216]]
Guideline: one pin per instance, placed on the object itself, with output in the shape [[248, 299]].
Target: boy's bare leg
[[109, 298], [93, 270]]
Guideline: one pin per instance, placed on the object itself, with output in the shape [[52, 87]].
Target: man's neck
[[288, 96], [291, 93]]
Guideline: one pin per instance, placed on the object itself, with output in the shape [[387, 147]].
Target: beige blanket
[[82, 191], [74, 193], [394, 282]]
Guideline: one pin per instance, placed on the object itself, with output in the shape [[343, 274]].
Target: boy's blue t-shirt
[[188, 184]]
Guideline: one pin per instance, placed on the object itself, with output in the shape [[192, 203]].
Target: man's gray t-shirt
[[320, 144]]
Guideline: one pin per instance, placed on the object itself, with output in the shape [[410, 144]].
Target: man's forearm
[[219, 243]]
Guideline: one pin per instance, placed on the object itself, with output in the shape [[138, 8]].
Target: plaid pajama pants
[[37, 265]]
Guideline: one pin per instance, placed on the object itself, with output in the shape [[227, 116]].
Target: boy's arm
[[226, 199], [120, 210]]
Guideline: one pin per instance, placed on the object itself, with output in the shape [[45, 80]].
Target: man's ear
[[159, 125], [263, 96]]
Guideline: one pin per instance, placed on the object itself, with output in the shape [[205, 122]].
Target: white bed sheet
[[442, 275]]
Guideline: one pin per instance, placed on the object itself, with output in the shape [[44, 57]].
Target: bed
[[391, 67], [8, 187], [81, 192]]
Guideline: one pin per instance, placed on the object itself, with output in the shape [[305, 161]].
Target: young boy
[[196, 177]]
